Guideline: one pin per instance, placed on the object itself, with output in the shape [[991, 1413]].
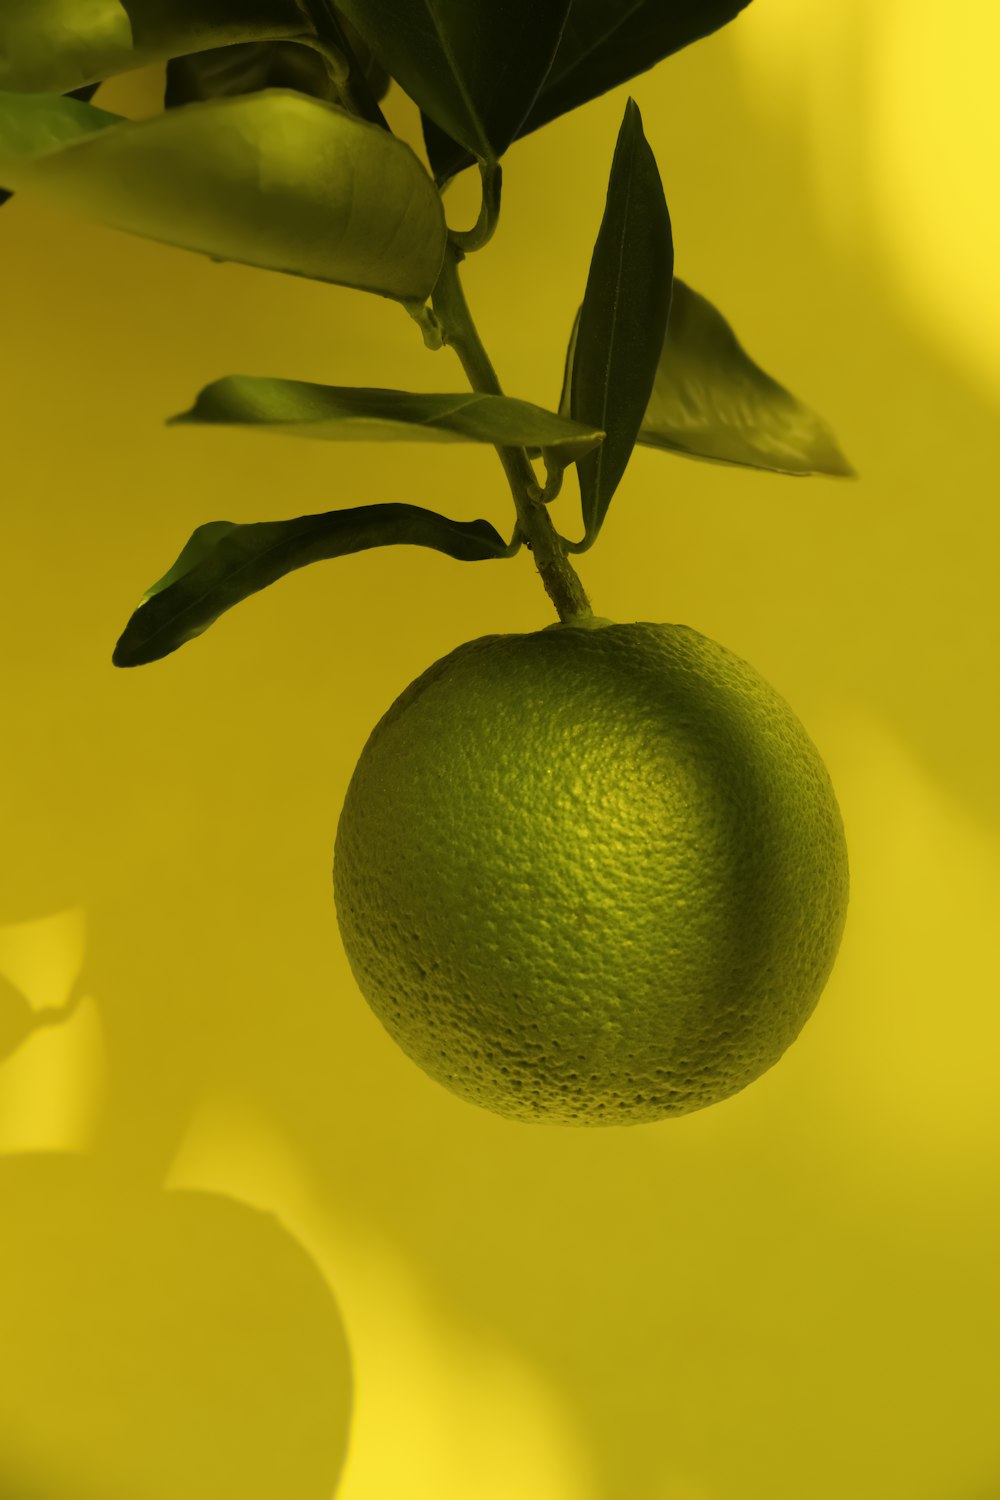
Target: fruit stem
[[459, 332]]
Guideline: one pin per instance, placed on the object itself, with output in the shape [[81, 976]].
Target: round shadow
[[159, 1344]]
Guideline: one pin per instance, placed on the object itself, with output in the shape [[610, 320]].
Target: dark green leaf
[[50, 46], [473, 68], [711, 401], [340, 413], [273, 179], [623, 318], [375, 75], [246, 68], [198, 548], [604, 44], [224, 563]]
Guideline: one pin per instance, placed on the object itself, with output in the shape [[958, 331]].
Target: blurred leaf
[[50, 46], [86, 93], [38, 126], [224, 563], [35, 124], [246, 68], [348, 414], [623, 318], [474, 66], [711, 401], [604, 44], [273, 179]]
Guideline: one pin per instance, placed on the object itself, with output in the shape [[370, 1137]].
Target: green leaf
[[51, 46], [224, 562], [345, 414], [623, 318], [604, 44], [474, 68], [246, 68], [198, 548], [86, 93], [711, 401], [274, 179], [33, 124], [376, 77]]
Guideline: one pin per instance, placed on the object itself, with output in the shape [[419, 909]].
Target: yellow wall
[[794, 1294]]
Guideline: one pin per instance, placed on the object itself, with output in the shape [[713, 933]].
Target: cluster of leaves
[[273, 150]]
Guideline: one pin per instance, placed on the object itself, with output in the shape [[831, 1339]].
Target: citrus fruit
[[591, 874]]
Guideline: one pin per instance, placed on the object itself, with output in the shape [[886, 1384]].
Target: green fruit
[[591, 876]]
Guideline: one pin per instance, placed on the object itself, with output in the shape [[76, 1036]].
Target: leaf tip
[[632, 120], [833, 461], [121, 656]]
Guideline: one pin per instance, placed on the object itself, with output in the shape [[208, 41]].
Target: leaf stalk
[[469, 240]]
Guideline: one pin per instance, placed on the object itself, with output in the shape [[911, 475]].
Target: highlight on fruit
[[591, 874]]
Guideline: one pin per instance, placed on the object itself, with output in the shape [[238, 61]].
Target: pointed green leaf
[[50, 46], [711, 401], [224, 562], [474, 68], [604, 44], [273, 179], [623, 318], [340, 413]]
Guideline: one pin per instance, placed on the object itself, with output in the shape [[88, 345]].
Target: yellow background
[[791, 1295]]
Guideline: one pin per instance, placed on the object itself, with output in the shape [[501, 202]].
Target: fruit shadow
[[154, 1343], [160, 1344]]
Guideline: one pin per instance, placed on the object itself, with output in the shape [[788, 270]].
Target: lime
[[591, 875]]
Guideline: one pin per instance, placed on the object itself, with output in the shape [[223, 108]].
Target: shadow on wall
[[154, 1344]]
